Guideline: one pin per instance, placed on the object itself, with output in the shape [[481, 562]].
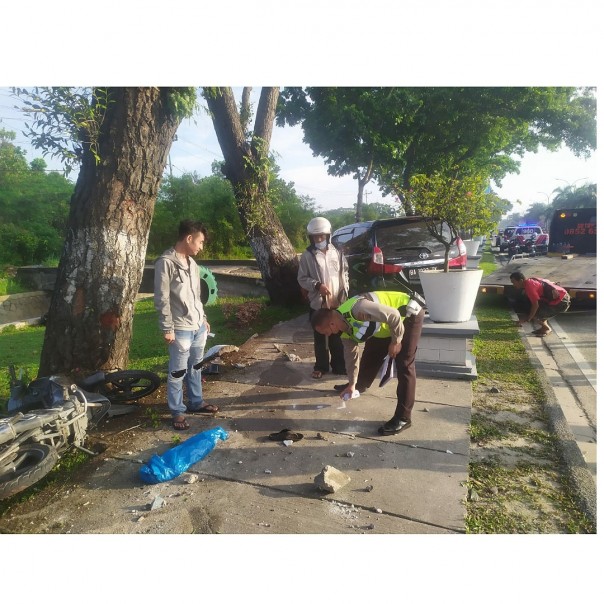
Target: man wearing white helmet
[[323, 274]]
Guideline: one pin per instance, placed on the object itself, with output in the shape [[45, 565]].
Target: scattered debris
[[449, 452], [126, 430], [320, 436], [426, 410], [294, 358], [190, 478], [267, 472], [288, 443], [285, 434], [494, 390], [377, 510], [157, 503], [331, 479], [369, 488]]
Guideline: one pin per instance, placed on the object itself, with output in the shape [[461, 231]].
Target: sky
[[197, 147], [326, 43], [319, 42]]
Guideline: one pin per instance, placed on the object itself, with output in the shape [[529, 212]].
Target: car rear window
[[404, 242], [352, 239]]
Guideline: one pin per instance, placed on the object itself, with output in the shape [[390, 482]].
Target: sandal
[[285, 434], [542, 334], [317, 375], [206, 409], [180, 424]]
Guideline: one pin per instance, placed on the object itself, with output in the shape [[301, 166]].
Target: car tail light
[[377, 264], [461, 260]]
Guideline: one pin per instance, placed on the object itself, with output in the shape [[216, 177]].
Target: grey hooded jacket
[[309, 276], [177, 293]]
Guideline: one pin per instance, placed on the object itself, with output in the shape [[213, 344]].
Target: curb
[[578, 473]]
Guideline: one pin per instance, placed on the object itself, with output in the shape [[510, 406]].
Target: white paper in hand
[[387, 371]]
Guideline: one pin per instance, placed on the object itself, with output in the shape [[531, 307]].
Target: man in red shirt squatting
[[547, 300]]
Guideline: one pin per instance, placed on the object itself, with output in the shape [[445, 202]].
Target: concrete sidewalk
[[408, 483]]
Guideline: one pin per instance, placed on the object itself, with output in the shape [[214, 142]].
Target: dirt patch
[[516, 481]]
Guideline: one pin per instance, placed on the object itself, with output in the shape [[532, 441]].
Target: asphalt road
[[568, 357], [578, 329]]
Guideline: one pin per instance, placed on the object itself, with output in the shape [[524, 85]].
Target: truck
[[570, 260]]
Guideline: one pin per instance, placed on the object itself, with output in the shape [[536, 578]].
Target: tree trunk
[[362, 180], [247, 168], [90, 318]]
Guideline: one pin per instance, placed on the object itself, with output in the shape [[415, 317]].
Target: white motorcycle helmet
[[319, 226]]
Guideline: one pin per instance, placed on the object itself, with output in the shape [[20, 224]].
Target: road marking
[[582, 364]]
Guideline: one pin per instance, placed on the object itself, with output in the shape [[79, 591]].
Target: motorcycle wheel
[[34, 462], [129, 385]]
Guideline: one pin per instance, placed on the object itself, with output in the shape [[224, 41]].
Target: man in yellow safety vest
[[389, 324]]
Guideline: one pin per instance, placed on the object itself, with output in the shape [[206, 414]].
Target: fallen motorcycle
[[121, 386], [46, 417]]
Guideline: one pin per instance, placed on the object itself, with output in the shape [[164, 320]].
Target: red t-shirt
[[534, 291]]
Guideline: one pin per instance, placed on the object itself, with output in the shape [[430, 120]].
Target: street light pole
[[542, 193], [574, 183]]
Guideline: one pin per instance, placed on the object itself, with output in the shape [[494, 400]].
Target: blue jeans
[[186, 353]]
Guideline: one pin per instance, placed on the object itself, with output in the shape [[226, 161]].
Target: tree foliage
[[121, 137], [394, 133], [461, 201], [211, 200], [33, 205], [247, 166], [65, 122], [541, 213]]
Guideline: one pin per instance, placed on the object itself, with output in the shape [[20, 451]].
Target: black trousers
[[373, 355], [328, 354]]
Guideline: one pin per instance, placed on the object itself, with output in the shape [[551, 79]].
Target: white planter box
[[450, 297], [471, 246]]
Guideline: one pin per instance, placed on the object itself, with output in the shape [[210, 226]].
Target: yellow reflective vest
[[363, 330]]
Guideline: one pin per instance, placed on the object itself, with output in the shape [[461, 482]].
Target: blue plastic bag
[[178, 459]]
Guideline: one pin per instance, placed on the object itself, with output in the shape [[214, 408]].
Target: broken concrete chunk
[[190, 478], [331, 479], [157, 503]]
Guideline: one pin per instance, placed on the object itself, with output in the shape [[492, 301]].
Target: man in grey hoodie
[[177, 293]]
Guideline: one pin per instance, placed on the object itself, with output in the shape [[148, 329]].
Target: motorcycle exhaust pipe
[[10, 429]]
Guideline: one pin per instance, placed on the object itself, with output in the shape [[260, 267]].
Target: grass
[[62, 472], [517, 482], [531, 495], [233, 320], [9, 285]]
